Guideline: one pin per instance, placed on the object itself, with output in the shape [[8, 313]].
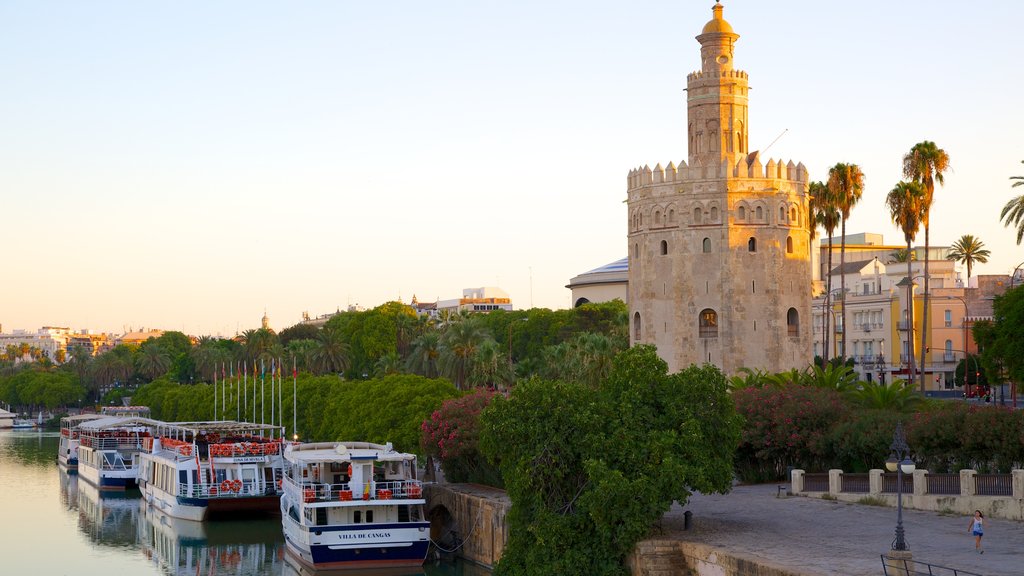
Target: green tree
[[926, 163], [906, 207], [967, 250], [387, 365], [902, 256], [458, 347], [299, 331], [426, 352], [829, 216], [1002, 340], [153, 361], [331, 354], [589, 471], [1013, 212], [845, 184]]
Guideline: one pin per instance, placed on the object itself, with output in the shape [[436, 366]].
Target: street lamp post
[[899, 462]]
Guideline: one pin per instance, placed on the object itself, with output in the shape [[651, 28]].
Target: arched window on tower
[[792, 215], [706, 247], [708, 323], [664, 247], [782, 214], [752, 244], [759, 214], [657, 217], [793, 322], [636, 327], [672, 216], [696, 215], [714, 213], [636, 251], [789, 244], [742, 213]]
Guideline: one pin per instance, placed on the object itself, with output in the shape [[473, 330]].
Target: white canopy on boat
[[218, 426], [343, 452], [108, 422], [81, 418]]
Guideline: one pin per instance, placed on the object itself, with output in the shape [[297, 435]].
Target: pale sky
[[184, 165]]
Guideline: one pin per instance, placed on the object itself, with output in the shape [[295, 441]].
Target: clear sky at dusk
[[184, 165]]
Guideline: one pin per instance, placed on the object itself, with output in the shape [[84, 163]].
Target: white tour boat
[[108, 450], [194, 470], [67, 448], [353, 505]]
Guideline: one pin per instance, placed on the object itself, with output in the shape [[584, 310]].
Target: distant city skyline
[[187, 167]]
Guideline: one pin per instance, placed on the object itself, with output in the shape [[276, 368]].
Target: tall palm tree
[[332, 351], [846, 184], [153, 361], [828, 217], [424, 356], [458, 346], [490, 366], [968, 250], [906, 207], [926, 163], [1013, 212], [901, 256]]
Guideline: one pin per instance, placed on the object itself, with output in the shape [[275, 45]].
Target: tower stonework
[[719, 250]]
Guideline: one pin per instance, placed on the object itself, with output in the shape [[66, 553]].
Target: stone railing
[[997, 495]]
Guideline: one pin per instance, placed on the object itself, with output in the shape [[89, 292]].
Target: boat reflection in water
[[108, 518], [292, 566], [68, 490], [187, 547]]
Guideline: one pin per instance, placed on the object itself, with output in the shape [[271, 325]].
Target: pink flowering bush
[[452, 434], [785, 427]]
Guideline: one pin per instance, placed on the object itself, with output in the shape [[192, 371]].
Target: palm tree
[[332, 351], [490, 366], [387, 364], [968, 250], [424, 356], [846, 184], [828, 217], [926, 163], [301, 350], [906, 207], [153, 361], [901, 256], [1013, 212], [458, 346]]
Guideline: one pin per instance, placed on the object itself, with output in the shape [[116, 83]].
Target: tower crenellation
[[719, 249]]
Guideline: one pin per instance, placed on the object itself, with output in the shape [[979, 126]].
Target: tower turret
[[717, 98]]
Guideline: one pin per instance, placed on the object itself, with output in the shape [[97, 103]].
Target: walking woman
[[977, 528]]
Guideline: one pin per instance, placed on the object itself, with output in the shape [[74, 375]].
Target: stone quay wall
[[851, 488]]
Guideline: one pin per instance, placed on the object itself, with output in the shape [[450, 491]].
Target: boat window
[[357, 517], [369, 516], [222, 475], [321, 516]]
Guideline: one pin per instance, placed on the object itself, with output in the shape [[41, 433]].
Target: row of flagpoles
[[234, 386]]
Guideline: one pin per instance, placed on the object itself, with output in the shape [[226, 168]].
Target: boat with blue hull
[[108, 451], [67, 448], [353, 505], [198, 470]]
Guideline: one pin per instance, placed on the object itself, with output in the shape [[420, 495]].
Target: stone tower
[[719, 250]]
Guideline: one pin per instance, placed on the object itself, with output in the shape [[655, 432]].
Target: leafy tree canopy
[[590, 469]]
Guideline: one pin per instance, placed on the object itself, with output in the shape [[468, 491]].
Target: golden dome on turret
[[717, 24]]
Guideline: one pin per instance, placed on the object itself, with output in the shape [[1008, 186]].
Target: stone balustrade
[[996, 495]]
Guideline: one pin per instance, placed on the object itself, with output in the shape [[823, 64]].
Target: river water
[[54, 524]]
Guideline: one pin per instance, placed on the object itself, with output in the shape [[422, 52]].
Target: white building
[[484, 299], [47, 339]]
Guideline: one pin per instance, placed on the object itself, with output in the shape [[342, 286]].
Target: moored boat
[[353, 505], [108, 450], [67, 448], [195, 470]]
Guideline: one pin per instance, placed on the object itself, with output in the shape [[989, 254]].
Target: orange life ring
[[225, 486], [236, 485], [185, 450]]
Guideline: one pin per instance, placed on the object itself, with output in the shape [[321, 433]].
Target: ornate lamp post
[[899, 462]]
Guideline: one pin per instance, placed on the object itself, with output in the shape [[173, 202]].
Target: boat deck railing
[[226, 489], [345, 491]]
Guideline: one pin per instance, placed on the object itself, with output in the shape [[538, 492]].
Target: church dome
[[717, 24]]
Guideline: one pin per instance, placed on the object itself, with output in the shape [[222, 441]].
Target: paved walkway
[[816, 536]]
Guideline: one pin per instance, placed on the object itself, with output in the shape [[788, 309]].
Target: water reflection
[[108, 519], [186, 547], [68, 489], [29, 447]]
